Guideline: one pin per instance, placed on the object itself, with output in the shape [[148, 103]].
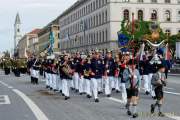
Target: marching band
[[96, 73]]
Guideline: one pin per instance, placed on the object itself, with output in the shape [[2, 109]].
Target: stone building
[[91, 24]]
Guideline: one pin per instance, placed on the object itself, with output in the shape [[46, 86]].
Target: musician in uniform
[[80, 69], [117, 75], [96, 74], [158, 82], [54, 68], [76, 62], [132, 80], [36, 68], [109, 68], [66, 73], [87, 76]]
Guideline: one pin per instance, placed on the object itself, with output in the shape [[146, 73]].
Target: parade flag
[[140, 53], [51, 41]]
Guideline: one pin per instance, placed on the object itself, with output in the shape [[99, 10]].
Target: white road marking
[[173, 93], [116, 100], [4, 84], [169, 88], [6, 100], [34, 108], [173, 116]]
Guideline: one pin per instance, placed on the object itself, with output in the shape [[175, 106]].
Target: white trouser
[[94, 83], [100, 84], [81, 84], [151, 88], [88, 87], [117, 83], [76, 80], [107, 85], [147, 83], [112, 82], [65, 87], [124, 93], [54, 81], [59, 83], [51, 80], [47, 79]]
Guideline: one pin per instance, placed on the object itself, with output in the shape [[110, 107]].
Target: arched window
[[178, 16], [168, 32], [167, 15], [154, 15], [126, 14], [140, 15]]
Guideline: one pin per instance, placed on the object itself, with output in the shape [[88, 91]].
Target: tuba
[[67, 70]]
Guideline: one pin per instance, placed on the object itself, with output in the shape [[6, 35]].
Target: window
[[168, 32], [167, 1], [179, 31], [125, 0], [106, 35], [103, 18], [154, 15], [126, 14], [167, 15], [106, 16], [154, 1], [141, 1], [140, 15], [178, 16]]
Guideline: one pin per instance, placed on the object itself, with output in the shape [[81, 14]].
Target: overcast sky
[[33, 14]]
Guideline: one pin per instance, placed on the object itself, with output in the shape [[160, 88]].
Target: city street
[[19, 100]]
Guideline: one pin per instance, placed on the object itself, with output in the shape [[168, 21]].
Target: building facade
[[33, 48], [43, 36], [93, 24], [22, 46]]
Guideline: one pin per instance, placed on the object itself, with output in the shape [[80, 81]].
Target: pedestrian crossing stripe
[[4, 100]]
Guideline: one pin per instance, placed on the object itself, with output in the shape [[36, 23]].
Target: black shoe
[[55, 90], [135, 115], [50, 88], [63, 94], [153, 97], [108, 95], [147, 93], [126, 106], [96, 100], [72, 88], [76, 91], [161, 114], [47, 86], [99, 92], [66, 98], [80, 93], [88, 96], [117, 91], [129, 113], [152, 108], [60, 91], [113, 89]]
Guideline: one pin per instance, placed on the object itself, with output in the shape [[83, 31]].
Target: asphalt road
[[23, 101]]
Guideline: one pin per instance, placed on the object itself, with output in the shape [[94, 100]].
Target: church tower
[[17, 30]]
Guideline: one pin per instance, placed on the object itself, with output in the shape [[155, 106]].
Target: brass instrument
[[87, 73], [67, 70]]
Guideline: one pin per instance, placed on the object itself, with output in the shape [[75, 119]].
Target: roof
[[35, 31], [17, 21]]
